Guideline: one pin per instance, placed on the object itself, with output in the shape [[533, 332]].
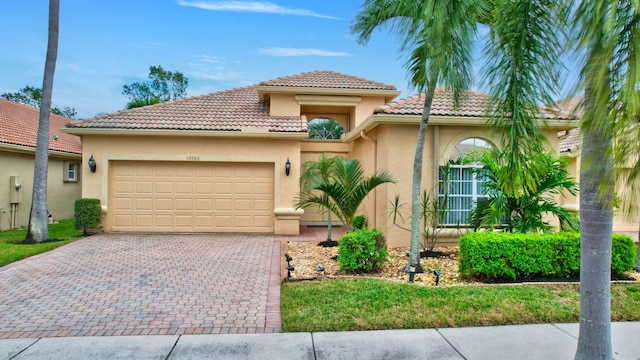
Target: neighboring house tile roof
[[571, 141], [327, 79], [230, 110], [471, 104], [19, 126]]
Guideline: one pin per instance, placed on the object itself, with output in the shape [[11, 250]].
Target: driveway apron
[[129, 284]]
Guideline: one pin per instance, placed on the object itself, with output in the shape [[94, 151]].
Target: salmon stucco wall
[[61, 195], [203, 149], [394, 146]]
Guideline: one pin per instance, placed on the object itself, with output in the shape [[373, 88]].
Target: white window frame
[[454, 208], [71, 172]]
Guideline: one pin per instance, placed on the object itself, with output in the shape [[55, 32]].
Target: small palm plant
[[343, 190], [525, 212]]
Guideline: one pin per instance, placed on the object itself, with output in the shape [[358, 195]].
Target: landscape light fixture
[[412, 273], [92, 164], [437, 273], [287, 167], [290, 268]]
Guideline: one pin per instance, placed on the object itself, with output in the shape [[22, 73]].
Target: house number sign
[[193, 158]]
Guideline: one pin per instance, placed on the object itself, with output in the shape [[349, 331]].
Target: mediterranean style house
[[231, 161], [18, 132]]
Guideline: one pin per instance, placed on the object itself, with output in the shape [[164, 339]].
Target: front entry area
[[167, 196]]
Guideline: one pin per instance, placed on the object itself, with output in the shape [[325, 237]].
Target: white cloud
[[250, 6], [277, 51], [210, 59], [224, 75]]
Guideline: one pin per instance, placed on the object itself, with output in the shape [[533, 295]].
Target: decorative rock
[[320, 268]]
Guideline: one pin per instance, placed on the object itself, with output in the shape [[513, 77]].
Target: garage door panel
[[183, 204], [163, 187], [263, 205], [124, 186], [192, 196], [184, 187], [243, 205], [165, 204], [223, 188], [124, 220], [143, 221], [143, 204], [142, 170], [204, 204], [125, 204]]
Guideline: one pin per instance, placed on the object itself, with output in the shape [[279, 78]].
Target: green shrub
[[359, 222], [522, 256], [363, 250], [87, 214]]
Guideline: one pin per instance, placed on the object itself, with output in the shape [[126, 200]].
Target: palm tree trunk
[[38, 220], [596, 219], [414, 250]]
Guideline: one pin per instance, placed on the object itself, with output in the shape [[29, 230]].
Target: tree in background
[[162, 86], [38, 230], [439, 35], [32, 96], [325, 129]]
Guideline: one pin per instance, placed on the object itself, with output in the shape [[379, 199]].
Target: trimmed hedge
[[363, 250], [522, 256], [86, 213]]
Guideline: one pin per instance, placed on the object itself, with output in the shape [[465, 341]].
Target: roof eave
[[264, 90], [477, 121], [21, 149], [248, 132]]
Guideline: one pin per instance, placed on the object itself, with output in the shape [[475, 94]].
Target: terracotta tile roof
[[471, 104], [327, 79], [230, 110], [19, 126], [573, 139]]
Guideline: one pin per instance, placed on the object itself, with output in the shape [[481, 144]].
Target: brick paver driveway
[[124, 284]]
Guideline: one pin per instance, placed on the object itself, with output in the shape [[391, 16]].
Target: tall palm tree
[[344, 191], [438, 34], [607, 33], [522, 71], [38, 230], [320, 172]]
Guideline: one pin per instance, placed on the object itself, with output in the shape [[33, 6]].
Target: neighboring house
[[624, 221], [18, 132], [218, 162]]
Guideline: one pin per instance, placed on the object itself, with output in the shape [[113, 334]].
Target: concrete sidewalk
[[543, 341]]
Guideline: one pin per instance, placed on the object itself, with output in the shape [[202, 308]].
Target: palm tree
[[524, 213], [607, 33], [320, 172], [38, 230], [438, 34], [344, 191]]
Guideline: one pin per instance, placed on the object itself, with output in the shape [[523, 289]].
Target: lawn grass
[[372, 304], [12, 249]]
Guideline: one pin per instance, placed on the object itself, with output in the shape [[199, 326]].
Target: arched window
[[325, 129], [459, 188]]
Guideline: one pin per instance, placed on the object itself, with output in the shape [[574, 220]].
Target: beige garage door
[[191, 197]]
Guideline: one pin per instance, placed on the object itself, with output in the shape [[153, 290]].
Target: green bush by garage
[[524, 256]]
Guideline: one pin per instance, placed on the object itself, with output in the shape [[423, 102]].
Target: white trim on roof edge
[[32, 150], [394, 119], [249, 132]]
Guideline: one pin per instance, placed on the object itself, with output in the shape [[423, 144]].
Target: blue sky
[[218, 45]]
